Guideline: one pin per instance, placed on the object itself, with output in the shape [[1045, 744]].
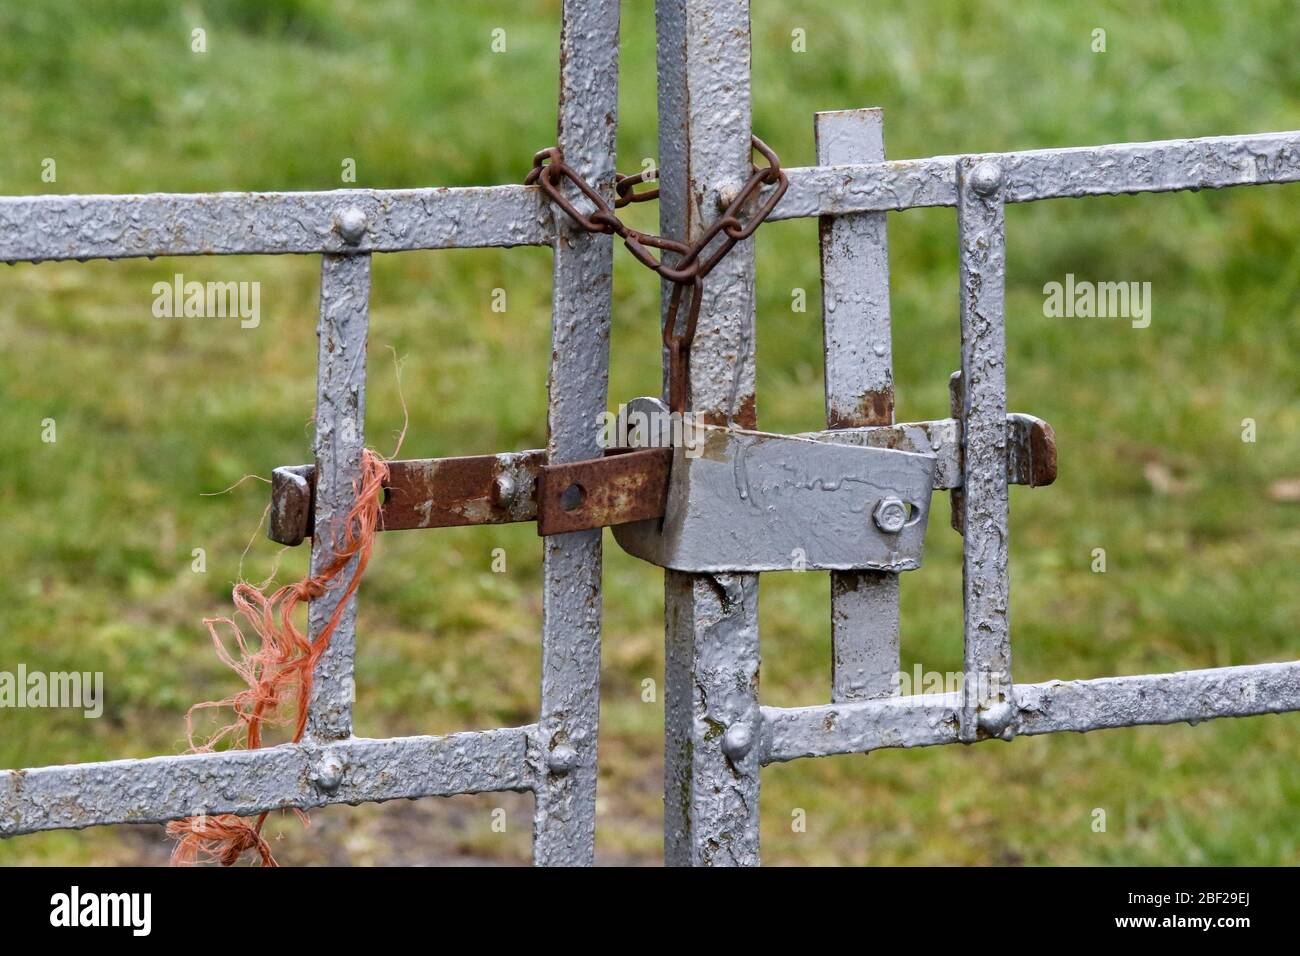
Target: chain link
[[691, 265]]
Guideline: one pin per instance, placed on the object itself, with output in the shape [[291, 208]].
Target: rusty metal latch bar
[[622, 487], [491, 489], [600, 492]]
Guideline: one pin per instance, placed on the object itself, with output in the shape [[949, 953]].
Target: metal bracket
[[745, 501]]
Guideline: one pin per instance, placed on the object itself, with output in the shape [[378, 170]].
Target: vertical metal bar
[[340, 438], [564, 821], [859, 392], [987, 705], [711, 621]]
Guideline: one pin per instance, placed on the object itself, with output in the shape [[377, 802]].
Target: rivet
[[328, 773], [504, 490], [352, 225], [890, 515], [997, 718], [986, 178], [563, 759], [738, 740]]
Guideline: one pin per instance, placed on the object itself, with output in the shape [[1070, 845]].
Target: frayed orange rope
[[277, 672]]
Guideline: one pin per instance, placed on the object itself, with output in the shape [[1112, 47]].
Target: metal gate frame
[[718, 736]]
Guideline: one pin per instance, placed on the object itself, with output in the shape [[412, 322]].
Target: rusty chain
[[691, 266]]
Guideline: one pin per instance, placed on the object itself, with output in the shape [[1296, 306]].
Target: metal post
[[340, 439], [711, 712], [564, 821], [987, 704], [859, 392]]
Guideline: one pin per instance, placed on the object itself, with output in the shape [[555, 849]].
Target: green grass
[[96, 569]]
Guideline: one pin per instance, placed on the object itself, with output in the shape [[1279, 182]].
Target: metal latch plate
[[742, 501]]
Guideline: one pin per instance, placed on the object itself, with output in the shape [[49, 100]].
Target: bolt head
[[890, 515], [328, 774], [996, 719], [986, 178], [738, 740], [504, 489], [562, 759], [352, 225]]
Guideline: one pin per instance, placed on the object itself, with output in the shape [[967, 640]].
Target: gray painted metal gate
[[718, 736]]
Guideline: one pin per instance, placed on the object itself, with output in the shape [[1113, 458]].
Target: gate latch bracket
[[748, 501]]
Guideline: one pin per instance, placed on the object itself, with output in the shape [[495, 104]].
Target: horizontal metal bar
[[1047, 708], [421, 493], [157, 789], [36, 228], [1031, 447], [1211, 162], [491, 489]]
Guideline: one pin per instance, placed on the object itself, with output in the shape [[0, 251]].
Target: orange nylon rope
[[277, 672]]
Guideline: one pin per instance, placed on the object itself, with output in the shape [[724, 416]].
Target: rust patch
[[873, 408], [746, 415], [1042, 455], [292, 504], [845, 582], [450, 492], [718, 419]]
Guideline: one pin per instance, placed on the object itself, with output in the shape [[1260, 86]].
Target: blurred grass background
[[1201, 543]]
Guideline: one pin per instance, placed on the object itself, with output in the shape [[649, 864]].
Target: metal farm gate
[[718, 736]]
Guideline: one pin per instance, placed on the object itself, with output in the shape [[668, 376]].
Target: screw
[[563, 759], [504, 490], [996, 719], [328, 773], [738, 740], [986, 178], [890, 515], [352, 225]]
